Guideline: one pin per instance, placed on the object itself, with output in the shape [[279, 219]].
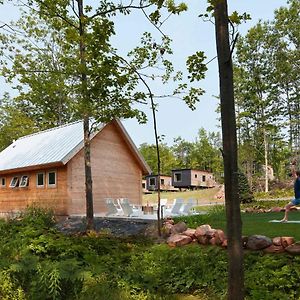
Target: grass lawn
[[253, 223], [203, 196]]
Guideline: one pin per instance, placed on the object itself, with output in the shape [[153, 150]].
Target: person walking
[[296, 200]]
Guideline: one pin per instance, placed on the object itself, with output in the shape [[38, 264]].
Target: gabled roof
[[54, 146]]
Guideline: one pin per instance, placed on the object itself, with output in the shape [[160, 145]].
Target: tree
[[232, 203], [98, 82]]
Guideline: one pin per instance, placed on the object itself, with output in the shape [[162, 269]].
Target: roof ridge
[[49, 129]]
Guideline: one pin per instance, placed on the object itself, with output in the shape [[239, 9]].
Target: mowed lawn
[[203, 196], [253, 223]]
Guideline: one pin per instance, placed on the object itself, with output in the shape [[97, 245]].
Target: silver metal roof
[[49, 146], [56, 145]]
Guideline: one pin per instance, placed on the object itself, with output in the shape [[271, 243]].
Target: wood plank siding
[[15, 199], [115, 170]]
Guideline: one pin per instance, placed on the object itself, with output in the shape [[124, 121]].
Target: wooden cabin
[[47, 169], [165, 183], [192, 179]]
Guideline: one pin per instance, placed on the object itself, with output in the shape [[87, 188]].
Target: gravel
[[117, 227]]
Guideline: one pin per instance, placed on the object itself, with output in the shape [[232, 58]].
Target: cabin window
[[14, 182], [203, 178], [162, 181], [40, 179], [24, 181], [52, 179], [177, 177], [152, 181], [3, 182], [143, 185], [196, 175]]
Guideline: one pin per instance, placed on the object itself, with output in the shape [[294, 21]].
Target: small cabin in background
[[192, 179], [165, 183]]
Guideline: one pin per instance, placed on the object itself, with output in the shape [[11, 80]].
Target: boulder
[[169, 221], [203, 239], [225, 243], [220, 236], [244, 241], [177, 240], [287, 241], [166, 229], [274, 249], [293, 249], [258, 242], [276, 209], [190, 232], [276, 241], [211, 233], [178, 228], [202, 230]]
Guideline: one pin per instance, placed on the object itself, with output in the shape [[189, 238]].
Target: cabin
[[47, 169], [165, 183], [192, 179]]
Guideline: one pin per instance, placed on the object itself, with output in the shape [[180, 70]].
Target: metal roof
[[56, 145], [44, 147]]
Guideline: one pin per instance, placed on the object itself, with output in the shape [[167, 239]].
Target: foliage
[[266, 82], [37, 262], [204, 154], [245, 193]]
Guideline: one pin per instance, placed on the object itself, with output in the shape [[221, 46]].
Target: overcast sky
[[189, 34]]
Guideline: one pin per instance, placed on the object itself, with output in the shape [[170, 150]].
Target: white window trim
[[16, 183], [25, 183], [52, 185], [37, 180]]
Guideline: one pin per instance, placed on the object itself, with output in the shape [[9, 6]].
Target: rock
[[258, 242], [169, 221], [202, 230], [287, 241], [276, 209], [203, 239], [178, 228], [225, 243], [277, 241], [293, 249], [274, 249], [177, 240], [190, 232], [244, 241], [166, 229], [293, 208], [211, 233], [220, 235]]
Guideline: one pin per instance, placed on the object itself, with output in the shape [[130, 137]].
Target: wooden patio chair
[[112, 209]]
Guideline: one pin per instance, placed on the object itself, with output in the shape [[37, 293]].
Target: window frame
[[52, 185], [37, 180], [152, 179], [25, 183], [176, 176], [3, 182], [16, 182]]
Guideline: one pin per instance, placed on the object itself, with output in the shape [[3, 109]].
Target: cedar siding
[[15, 199], [115, 171]]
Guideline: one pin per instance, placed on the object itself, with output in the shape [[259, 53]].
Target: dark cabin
[[192, 179]]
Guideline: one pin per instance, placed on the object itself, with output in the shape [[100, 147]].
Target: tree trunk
[[266, 161], [86, 127], [233, 215]]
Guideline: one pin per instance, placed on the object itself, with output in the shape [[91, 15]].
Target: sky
[[189, 34]]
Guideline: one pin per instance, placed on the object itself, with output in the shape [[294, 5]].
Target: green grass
[[253, 223], [203, 195]]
